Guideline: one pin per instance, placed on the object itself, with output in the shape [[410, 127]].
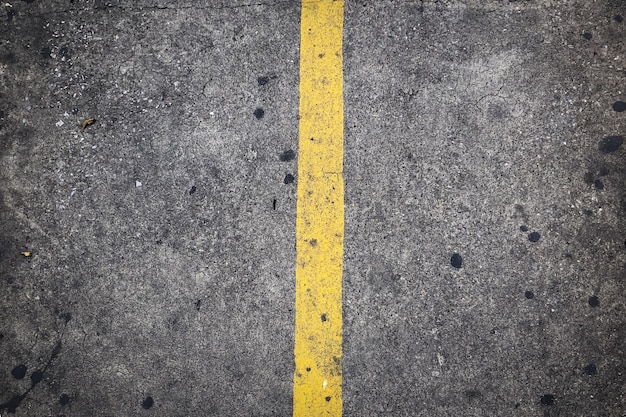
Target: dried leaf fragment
[[87, 122]]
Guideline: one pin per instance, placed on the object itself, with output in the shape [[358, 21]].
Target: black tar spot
[[594, 301], [590, 369], [263, 80], [327, 398], [19, 371], [598, 184], [148, 402], [618, 18], [64, 399], [193, 190], [287, 156], [523, 228], [619, 106], [534, 237], [36, 377], [198, 304], [259, 113], [529, 294], [456, 260], [323, 317], [289, 179], [610, 143], [547, 399], [587, 35]]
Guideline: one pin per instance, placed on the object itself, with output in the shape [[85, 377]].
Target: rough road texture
[[485, 256]]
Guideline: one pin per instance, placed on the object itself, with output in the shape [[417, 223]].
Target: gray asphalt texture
[[485, 252]]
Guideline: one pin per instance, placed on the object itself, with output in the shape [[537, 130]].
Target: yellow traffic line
[[320, 213]]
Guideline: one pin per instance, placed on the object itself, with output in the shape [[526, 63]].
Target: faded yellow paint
[[320, 213]]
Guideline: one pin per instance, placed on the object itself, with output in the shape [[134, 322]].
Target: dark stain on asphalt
[[619, 106], [198, 304], [193, 190], [147, 403], [9, 58], [529, 295], [36, 377], [587, 35], [323, 317], [598, 184], [534, 237], [590, 369], [64, 399], [547, 399], [66, 317], [472, 394], [45, 52], [618, 18], [15, 401], [456, 260], [523, 228], [594, 301], [287, 156], [289, 179], [265, 79], [610, 144], [19, 371], [259, 113]]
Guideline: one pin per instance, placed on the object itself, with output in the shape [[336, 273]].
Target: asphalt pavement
[[148, 181]]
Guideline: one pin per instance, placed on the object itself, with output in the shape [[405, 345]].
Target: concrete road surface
[[148, 183]]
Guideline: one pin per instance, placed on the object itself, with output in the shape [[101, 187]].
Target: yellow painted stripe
[[320, 213]]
